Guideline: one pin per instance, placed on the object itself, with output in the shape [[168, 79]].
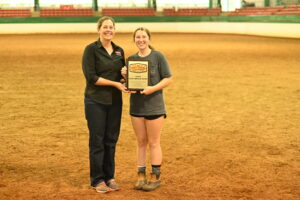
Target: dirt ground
[[232, 131]]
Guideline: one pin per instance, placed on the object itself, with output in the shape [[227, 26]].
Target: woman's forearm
[[105, 82], [163, 83]]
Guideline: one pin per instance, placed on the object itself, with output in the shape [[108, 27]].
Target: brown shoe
[[113, 185], [102, 188], [141, 181], [153, 183]]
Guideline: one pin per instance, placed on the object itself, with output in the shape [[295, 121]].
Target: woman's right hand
[[121, 87]]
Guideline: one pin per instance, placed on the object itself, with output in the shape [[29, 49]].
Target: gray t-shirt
[[153, 104]]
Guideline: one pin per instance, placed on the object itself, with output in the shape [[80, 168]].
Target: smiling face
[[141, 39], [106, 30]]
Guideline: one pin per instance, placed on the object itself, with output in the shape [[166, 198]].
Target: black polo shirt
[[96, 62]]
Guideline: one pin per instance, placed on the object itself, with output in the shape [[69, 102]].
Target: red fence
[[192, 12], [15, 13], [66, 12], [278, 10], [128, 12]]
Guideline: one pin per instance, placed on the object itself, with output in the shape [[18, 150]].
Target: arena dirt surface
[[232, 130]]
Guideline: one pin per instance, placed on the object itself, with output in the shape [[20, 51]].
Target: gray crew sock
[[142, 169], [156, 170]]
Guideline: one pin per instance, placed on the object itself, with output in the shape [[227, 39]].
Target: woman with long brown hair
[[147, 109], [101, 63]]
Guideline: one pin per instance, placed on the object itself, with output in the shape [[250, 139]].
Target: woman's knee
[[142, 143], [154, 145]]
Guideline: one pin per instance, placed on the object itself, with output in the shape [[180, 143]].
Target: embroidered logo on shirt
[[118, 53]]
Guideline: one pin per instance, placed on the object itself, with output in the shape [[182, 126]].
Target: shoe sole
[[138, 188], [150, 189], [113, 190], [103, 192]]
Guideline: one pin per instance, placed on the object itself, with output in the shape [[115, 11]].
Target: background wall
[[291, 30]]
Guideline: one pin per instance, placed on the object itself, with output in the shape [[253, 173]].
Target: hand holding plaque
[[138, 75]]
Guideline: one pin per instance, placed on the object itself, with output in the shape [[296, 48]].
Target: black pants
[[104, 123]]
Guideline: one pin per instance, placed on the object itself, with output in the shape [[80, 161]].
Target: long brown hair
[[147, 32], [102, 19]]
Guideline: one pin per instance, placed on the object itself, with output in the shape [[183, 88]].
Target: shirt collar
[[99, 44]]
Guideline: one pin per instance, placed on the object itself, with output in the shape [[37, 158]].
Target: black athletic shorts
[[150, 117]]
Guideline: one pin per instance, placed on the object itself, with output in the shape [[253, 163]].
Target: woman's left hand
[[124, 71], [148, 90]]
